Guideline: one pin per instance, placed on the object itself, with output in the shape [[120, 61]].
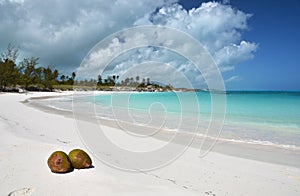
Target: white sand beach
[[28, 136]]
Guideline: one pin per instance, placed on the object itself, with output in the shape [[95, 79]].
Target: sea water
[[257, 117]]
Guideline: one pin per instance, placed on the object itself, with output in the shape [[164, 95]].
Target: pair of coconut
[[60, 162]]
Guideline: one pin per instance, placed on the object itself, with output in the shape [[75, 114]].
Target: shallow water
[[269, 118]]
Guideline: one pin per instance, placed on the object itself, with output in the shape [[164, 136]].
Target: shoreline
[[29, 135], [254, 150]]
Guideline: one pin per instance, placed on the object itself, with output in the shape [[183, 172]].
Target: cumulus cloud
[[167, 46], [63, 33], [235, 53], [217, 26]]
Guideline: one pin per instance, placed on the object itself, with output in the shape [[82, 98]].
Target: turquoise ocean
[[262, 117]]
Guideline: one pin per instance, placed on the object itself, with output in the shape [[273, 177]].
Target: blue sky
[[275, 27], [260, 38]]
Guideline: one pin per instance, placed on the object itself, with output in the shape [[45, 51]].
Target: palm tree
[[131, 80], [99, 80], [148, 81], [62, 78], [73, 75], [127, 82]]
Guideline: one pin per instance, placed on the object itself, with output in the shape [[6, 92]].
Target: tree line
[[27, 74], [129, 81], [113, 81]]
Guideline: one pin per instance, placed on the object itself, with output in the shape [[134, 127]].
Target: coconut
[[59, 162], [80, 159]]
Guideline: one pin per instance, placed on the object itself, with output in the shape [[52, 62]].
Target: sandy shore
[[28, 136]]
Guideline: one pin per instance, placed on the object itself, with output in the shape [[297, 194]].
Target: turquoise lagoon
[[269, 118]]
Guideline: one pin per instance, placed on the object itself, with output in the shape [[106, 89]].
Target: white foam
[[58, 108]]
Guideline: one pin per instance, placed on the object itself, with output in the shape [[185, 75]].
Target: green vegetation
[[131, 84], [27, 75]]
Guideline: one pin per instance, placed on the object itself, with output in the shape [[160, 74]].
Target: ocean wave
[[223, 139], [59, 108]]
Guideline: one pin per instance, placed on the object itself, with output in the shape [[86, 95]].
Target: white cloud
[[217, 26], [63, 33], [235, 53], [140, 42], [232, 78]]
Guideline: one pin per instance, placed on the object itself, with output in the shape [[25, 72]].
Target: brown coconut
[[80, 159], [59, 162]]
